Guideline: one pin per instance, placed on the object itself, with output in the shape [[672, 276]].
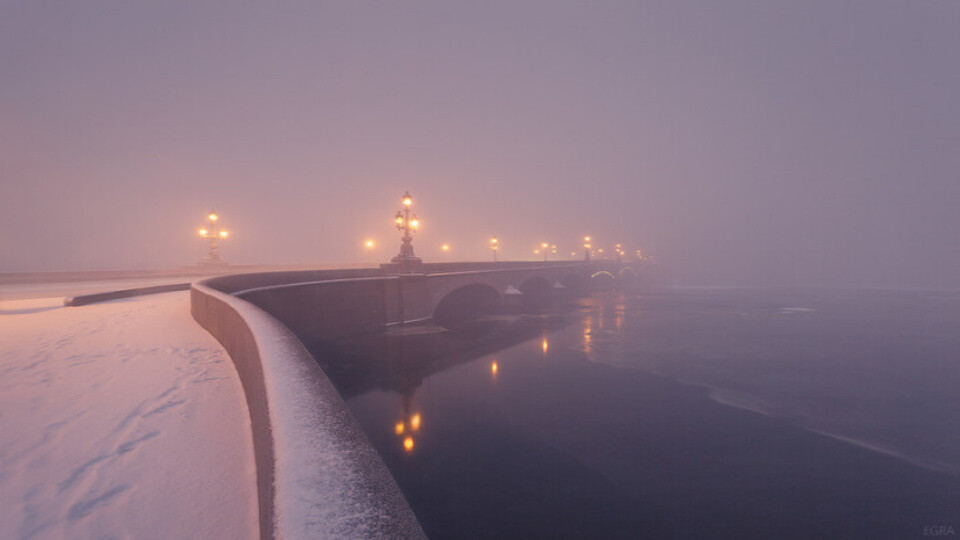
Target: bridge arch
[[537, 293], [573, 283], [466, 304], [602, 280]]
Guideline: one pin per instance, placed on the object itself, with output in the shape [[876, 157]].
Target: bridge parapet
[[329, 304]]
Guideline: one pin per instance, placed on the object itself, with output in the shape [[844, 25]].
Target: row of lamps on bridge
[[408, 223]]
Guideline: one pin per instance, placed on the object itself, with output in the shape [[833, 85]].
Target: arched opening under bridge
[[466, 305], [537, 294]]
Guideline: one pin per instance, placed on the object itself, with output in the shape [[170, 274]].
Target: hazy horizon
[[741, 143]]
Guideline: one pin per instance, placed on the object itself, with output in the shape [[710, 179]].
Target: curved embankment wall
[[317, 474]]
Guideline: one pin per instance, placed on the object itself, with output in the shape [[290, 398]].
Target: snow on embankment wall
[[317, 474]]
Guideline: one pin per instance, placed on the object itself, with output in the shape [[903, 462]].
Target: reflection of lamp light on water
[[401, 427], [544, 345], [493, 368], [587, 334]]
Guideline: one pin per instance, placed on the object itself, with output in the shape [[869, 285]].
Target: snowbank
[[317, 474]]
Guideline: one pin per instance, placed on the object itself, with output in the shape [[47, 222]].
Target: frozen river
[[708, 414]]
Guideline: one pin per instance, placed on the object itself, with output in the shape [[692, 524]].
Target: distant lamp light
[[399, 428], [408, 223], [369, 244], [493, 368], [445, 247], [408, 444], [213, 234], [415, 422]]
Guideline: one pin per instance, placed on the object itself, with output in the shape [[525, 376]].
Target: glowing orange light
[[494, 240], [213, 217], [369, 244], [407, 201], [544, 245], [445, 247], [399, 220], [203, 232], [223, 234], [408, 444], [586, 238], [544, 345], [398, 429], [415, 422], [494, 368], [415, 223]]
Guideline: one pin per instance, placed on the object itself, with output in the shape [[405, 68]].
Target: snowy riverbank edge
[[317, 474]]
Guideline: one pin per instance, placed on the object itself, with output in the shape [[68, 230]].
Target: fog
[[739, 143]]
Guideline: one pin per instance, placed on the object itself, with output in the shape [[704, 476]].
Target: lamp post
[[586, 248], [409, 223], [213, 234], [495, 247]]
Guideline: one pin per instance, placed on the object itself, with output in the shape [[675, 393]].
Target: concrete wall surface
[[317, 474]]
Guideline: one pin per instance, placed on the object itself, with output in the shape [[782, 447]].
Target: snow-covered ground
[[120, 420]]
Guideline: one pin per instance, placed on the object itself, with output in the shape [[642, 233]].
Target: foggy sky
[[740, 142]]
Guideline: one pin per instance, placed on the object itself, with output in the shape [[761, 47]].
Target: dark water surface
[[614, 417]]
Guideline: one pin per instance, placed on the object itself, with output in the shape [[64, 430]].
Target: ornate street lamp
[[213, 234], [409, 223]]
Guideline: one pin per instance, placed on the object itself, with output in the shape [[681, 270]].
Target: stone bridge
[[317, 475], [330, 304]]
